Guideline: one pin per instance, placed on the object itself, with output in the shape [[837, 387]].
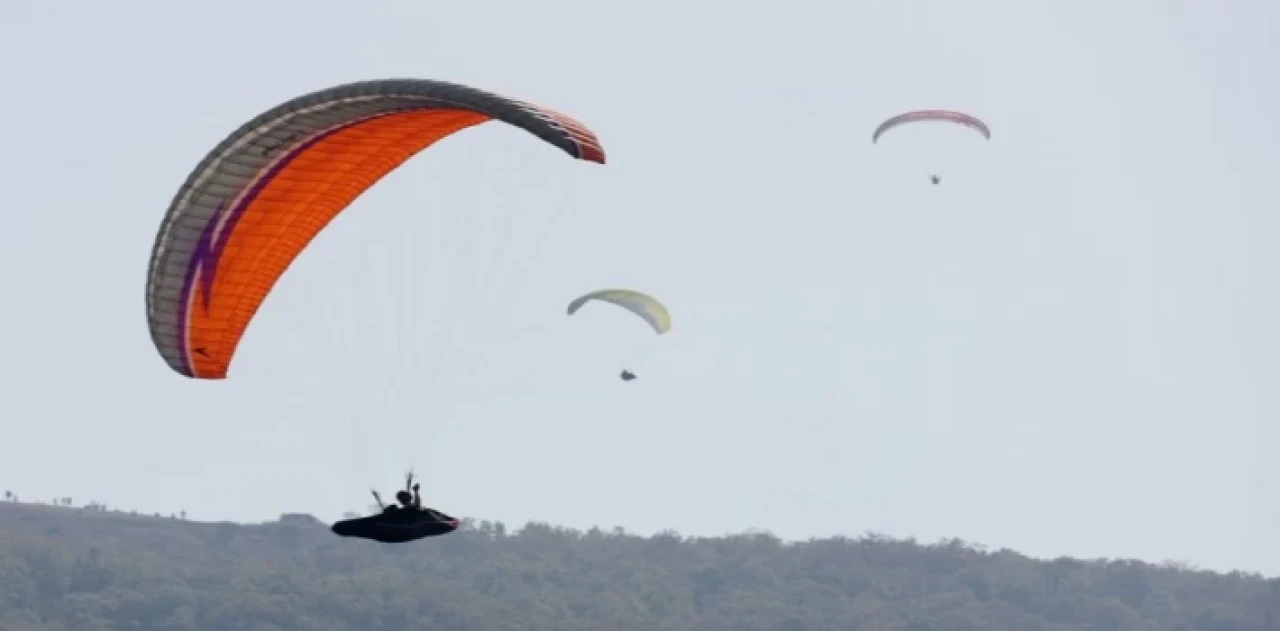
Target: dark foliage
[[71, 569]]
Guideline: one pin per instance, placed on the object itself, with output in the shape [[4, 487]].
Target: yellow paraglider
[[647, 307], [643, 305]]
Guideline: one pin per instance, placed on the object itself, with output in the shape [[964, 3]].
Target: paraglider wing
[[258, 199], [399, 526], [643, 305], [932, 115]]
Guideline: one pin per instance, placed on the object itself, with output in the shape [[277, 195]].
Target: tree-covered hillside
[[73, 569]]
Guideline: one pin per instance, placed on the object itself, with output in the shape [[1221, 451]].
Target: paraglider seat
[[397, 526]]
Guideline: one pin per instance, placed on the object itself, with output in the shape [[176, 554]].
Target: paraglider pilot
[[627, 375], [402, 523], [935, 179], [408, 501]]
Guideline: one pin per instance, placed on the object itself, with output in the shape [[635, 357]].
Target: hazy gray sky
[[1068, 348]]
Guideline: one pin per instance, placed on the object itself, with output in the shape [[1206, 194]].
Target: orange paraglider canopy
[[259, 198]]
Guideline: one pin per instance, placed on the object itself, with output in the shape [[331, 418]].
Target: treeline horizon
[[94, 568], [500, 528]]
